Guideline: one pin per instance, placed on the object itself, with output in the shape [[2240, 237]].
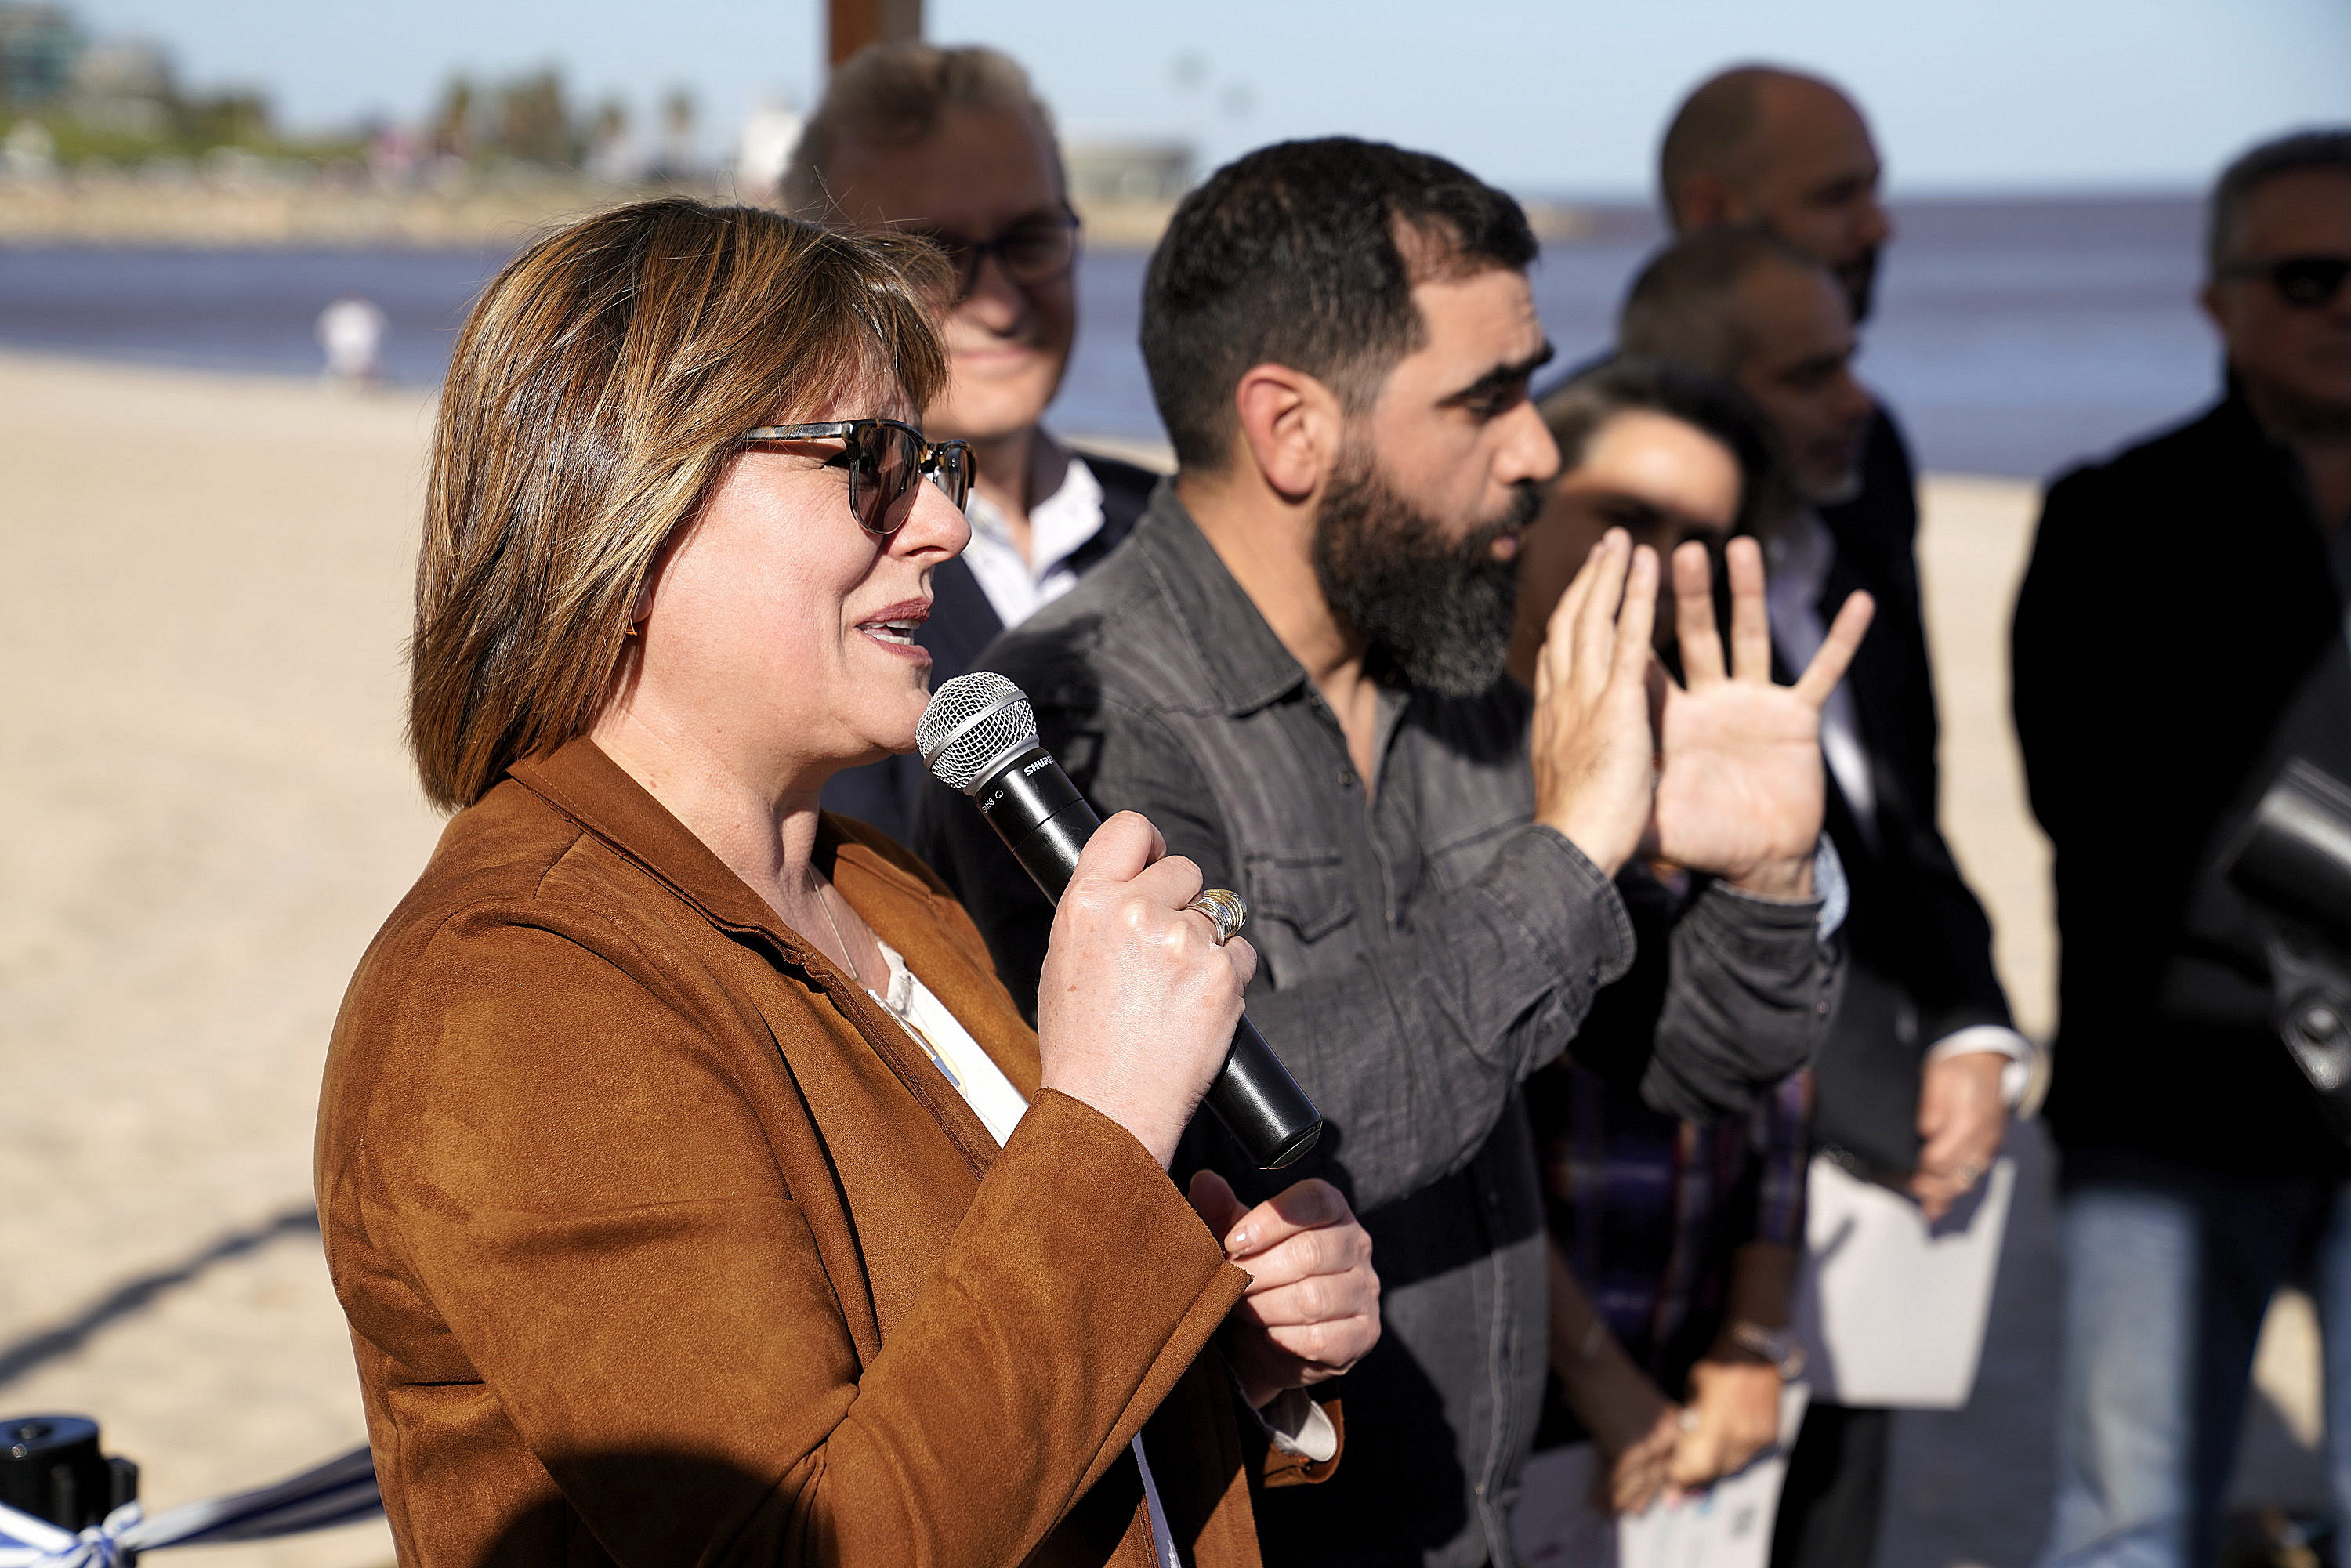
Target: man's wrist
[[1594, 844], [1754, 1345], [2021, 1062], [1787, 880]]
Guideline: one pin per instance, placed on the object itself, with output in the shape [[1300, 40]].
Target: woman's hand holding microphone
[[1136, 1012], [1138, 1001]]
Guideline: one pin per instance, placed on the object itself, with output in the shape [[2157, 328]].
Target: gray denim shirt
[[1421, 952]]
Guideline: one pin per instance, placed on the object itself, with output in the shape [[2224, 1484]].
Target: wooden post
[[853, 24]]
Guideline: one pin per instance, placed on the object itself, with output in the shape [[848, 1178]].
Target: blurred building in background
[[37, 48], [1128, 170], [125, 86], [116, 101]]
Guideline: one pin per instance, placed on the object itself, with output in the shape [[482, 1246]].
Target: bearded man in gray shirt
[[1294, 668]]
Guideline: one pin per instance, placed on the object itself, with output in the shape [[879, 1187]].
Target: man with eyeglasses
[[954, 144], [2213, 564]]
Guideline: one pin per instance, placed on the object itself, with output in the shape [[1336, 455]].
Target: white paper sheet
[[1729, 1525], [1890, 1310]]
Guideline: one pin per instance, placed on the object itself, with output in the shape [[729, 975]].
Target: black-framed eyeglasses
[[1032, 250], [886, 458], [2305, 282]]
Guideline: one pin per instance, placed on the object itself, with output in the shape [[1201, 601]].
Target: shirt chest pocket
[[1305, 890], [1463, 855]]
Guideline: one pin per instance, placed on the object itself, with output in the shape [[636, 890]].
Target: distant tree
[[451, 131], [612, 154], [609, 123], [677, 132], [533, 123], [226, 119]]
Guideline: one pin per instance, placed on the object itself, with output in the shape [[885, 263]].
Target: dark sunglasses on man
[[885, 459], [2305, 282], [1031, 250]]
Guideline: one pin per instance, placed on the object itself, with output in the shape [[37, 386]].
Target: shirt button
[[1346, 778]]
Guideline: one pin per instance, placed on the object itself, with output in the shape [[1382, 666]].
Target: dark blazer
[[963, 622], [1919, 945], [2178, 635]]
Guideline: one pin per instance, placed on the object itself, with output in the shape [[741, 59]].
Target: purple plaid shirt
[[1649, 1209]]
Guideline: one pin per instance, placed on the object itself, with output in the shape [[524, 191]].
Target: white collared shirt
[[1801, 556], [1060, 525]]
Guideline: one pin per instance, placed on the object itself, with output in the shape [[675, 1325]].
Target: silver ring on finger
[[1224, 909]]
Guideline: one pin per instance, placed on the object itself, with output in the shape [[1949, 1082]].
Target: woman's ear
[[1291, 424], [641, 608], [629, 664]]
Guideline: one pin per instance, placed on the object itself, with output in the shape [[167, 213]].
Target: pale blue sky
[[1539, 94]]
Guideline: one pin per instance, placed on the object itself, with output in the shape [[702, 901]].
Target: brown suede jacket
[[663, 1243]]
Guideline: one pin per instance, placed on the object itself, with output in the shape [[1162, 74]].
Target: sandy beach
[[208, 814], [209, 811]]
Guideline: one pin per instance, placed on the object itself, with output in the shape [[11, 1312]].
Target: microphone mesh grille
[[960, 751]]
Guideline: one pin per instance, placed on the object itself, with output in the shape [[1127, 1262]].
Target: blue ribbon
[[339, 1491]]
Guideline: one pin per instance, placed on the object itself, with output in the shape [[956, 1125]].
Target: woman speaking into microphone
[[695, 1193]]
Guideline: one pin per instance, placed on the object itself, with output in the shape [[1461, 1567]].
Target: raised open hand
[[1593, 757], [1739, 775]]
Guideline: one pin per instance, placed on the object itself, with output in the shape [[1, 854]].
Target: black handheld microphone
[[979, 736]]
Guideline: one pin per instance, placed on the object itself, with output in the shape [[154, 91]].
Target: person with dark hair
[[2196, 1174], [1913, 1088], [693, 1189], [956, 145], [1674, 1242], [1296, 662], [1666, 454]]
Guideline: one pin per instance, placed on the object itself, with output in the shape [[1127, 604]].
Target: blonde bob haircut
[[598, 389]]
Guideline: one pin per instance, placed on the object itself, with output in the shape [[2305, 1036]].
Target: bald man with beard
[[1762, 147], [1786, 150]]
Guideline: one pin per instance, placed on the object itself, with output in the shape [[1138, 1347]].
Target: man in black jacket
[[1912, 1086], [2211, 562], [955, 144]]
